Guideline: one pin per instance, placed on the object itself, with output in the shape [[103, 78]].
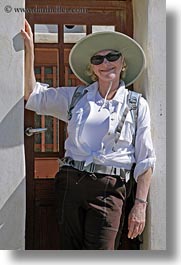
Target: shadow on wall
[[12, 220], [11, 133]]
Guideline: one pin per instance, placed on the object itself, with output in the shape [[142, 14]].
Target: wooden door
[[57, 25]]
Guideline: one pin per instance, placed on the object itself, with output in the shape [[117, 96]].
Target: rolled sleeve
[[144, 152], [50, 101]]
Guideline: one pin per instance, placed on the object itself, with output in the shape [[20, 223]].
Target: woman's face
[[107, 71]]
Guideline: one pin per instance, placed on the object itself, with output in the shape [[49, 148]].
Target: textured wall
[[12, 190], [150, 31]]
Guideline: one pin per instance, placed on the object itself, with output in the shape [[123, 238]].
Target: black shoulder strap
[[78, 94]]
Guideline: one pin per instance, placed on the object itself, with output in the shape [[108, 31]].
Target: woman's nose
[[105, 61]]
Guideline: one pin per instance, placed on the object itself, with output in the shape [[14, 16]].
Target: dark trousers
[[89, 209]]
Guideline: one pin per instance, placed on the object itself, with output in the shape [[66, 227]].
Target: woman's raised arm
[[29, 60]]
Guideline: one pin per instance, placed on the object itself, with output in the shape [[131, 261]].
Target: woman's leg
[[104, 206]]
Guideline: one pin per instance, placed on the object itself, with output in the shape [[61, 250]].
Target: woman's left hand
[[136, 220]]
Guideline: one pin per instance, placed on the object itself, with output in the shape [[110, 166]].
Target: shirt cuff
[[143, 166], [39, 87]]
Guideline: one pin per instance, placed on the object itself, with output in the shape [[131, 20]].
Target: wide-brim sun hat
[[83, 50]]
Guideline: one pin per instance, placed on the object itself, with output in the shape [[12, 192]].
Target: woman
[[91, 185]]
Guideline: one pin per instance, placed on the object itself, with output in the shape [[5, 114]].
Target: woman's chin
[[107, 78]]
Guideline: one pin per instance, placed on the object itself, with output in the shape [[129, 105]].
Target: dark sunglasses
[[111, 57]]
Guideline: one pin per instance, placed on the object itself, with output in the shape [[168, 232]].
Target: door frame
[[98, 9]]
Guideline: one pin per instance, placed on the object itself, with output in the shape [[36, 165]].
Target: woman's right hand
[[28, 38]]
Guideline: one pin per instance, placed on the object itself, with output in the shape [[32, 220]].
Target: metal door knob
[[30, 131]]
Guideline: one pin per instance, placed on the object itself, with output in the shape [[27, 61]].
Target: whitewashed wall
[[12, 184], [150, 31]]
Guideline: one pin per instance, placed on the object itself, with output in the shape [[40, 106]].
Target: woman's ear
[[123, 65], [123, 69]]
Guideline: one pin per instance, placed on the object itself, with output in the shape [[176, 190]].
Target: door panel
[[55, 35]]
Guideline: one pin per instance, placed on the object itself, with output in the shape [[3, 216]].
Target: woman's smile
[[107, 70]]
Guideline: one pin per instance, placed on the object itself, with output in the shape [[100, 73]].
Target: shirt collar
[[92, 89], [119, 96]]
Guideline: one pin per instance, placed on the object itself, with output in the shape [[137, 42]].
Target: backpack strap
[[133, 103], [132, 106], [78, 94]]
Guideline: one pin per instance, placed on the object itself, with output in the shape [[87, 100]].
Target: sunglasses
[[111, 57]]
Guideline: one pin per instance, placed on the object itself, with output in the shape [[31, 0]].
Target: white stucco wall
[[12, 173], [150, 31]]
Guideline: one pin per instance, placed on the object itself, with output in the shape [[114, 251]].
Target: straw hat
[[80, 55]]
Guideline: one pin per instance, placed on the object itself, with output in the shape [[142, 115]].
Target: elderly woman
[[106, 140]]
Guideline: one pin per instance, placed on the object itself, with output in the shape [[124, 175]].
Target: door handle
[[30, 131]]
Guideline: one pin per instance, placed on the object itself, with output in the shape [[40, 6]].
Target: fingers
[[27, 32], [28, 28], [27, 35], [136, 222], [135, 229], [24, 34]]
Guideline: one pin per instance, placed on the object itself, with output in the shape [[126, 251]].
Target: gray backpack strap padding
[[120, 126], [132, 106], [133, 103], [78, 94]]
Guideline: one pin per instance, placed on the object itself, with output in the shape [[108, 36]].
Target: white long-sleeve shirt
[[91, 130]]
